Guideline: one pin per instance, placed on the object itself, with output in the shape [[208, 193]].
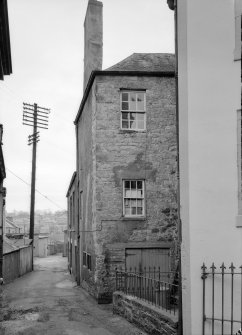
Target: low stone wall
[[152, 320]]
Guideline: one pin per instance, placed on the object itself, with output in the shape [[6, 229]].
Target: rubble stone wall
[[107, 155], [149, 318], [149, 155]]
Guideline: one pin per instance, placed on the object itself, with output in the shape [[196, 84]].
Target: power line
[[25, 182], [13, 94]]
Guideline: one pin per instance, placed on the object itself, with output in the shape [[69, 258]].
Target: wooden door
[[151, 262]]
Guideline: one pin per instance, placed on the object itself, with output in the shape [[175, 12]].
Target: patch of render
[[139, 164]]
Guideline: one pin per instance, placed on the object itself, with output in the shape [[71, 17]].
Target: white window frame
[[136, 111], [134, 198]]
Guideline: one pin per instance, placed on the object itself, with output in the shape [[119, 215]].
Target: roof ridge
[[146, 62]]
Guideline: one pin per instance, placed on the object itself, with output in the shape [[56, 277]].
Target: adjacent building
[[40, 245], [209, 90], [73, 230], [5, 69], [5, 54], [10, 228], [122, 201]]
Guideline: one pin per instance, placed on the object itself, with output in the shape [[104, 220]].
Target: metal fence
[[222, 299], [150, 287]]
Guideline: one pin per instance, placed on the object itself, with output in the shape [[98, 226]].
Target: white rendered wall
[[209, 97]]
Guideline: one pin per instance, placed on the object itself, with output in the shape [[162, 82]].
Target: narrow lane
[[47, 301]]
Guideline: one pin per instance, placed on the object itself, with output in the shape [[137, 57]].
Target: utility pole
[[36, 117]]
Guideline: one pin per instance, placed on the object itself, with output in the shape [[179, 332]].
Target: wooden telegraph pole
[[36, 117], [33, 140]]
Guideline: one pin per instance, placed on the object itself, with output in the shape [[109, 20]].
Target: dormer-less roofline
[[118, 73]]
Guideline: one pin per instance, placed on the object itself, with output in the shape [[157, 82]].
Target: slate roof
[[157, 62], [8, 245], [138, 64], [22, 242], [10, 224]]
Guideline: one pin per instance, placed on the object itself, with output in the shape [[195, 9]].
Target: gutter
[[172, 4], [117, 73]]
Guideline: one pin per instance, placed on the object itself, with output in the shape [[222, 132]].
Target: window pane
[[140, 106], [140, 116], [140, 125], [132, 124], [139, 203], [127, 184], [127, 202], [139, 184], [132, 116], [139, 194], [140, 97], [125, 106], [125, 124], [133, 203], [127, 211], [125, 116], [133, 210], [139, 210], [140, 102], [132, 97], [127, 193], [132, 106], [133, 194], [125, 97], [133, 184]]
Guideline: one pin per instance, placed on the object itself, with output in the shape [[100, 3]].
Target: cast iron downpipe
[[173, 6]]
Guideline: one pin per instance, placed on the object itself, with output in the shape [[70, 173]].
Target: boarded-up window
[[151, 262]]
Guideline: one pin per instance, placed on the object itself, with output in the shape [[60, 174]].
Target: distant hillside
[[46, 222]]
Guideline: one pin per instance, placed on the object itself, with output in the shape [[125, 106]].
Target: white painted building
[[209, 86]]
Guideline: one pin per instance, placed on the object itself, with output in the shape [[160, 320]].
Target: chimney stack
[[93, 39]]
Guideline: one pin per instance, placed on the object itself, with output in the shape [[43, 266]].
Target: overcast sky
[[47, 56]]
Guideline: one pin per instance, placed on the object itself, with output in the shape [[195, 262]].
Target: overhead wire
[[43, 195], [19, 99]]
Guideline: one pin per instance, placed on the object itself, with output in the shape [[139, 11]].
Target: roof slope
[[138, 64], [157, 62], [10, 224], [8, 245]]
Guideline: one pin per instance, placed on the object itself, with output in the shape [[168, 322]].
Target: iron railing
[[154, 272], [222, 299], [150, 288]]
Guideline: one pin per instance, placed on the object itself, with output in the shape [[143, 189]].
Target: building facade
[[73, 231], [209, 90], [122, 200], [5, 54], [5, 69]]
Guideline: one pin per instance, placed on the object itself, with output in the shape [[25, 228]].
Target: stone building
[[73, 230], [122, 200]]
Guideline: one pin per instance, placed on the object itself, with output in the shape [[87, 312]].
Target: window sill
[[126, 218], [131, 131]]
